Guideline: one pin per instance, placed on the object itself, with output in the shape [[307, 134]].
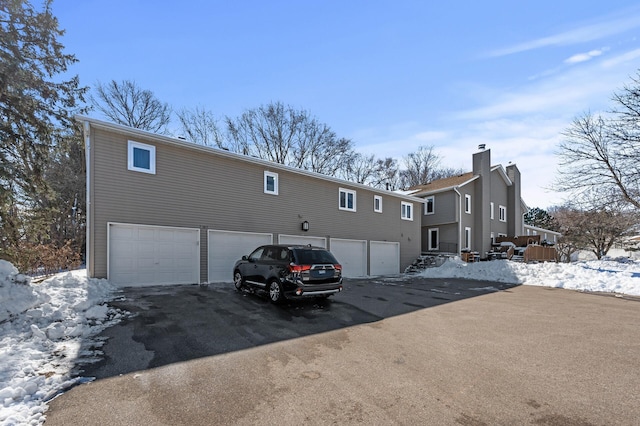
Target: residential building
[[161, 210], [470, 211]]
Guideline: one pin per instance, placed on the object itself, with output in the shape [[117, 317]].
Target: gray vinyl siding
[[445, 209], [202, 189], [499, 197]]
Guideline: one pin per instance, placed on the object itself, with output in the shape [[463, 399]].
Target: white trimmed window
[[430, 205], [270, 183], [491, 210], [467, 238], [467, 203], [377, 204], [347, 200], [406, 210], [502, 213], [434, 238], [141, 157]]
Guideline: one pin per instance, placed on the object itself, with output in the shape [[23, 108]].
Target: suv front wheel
[[238, 280], [275, 292]]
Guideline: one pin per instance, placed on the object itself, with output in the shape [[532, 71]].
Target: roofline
[[503, 174], [448, 188], [535, 228], [232, 155]]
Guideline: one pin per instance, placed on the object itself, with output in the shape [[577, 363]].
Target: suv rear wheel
[[275, 292]]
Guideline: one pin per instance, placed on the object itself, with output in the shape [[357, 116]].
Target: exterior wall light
[[305, 226]]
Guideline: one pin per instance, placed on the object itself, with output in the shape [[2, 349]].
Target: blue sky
[[390, 75]]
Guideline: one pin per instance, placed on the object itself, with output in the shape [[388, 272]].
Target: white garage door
[[142, 255], [302, 239], [226, 247], [385, 258], [352, 255]]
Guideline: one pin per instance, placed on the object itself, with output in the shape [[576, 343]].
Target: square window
[[430, 205], [141, 157], [377, 204], [270, 183], [347, 200], [406, 211]]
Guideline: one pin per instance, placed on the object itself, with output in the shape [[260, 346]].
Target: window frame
[[377, 198], [502, 213], [467, 238], [267, 175], [347, 192], [491, 210], [431, 199], [467, 203], [406, 210], [437, 246], [131, 146]]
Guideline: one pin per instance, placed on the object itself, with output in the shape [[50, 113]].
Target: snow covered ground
[[615, 275], [47, 329]]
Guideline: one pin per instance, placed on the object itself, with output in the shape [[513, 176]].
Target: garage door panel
[[226, 247], [303, 240], [384, 258], [153, 255], [352, 255]]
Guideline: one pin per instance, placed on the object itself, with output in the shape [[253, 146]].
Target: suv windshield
[[310, 257]]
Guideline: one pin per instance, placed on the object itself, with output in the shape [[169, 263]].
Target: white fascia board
[[169, 140], [502, 173]]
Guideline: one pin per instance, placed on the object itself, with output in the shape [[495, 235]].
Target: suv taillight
[[299, 268], [338, 267]]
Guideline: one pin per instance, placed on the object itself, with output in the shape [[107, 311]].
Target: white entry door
[[140, 255], [352, 255], [385, 258], [226, 247]]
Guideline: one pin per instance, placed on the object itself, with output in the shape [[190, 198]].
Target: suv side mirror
[[245, 257]]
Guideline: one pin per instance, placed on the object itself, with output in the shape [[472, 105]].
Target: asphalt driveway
[[382, 352]]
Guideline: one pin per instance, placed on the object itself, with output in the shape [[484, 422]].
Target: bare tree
[[595, 230], [601, 154], [422, 167], [126, 103], [201, 126], [282, 134]]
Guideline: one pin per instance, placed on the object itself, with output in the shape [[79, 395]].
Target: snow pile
[[615, 276], [46, 330]]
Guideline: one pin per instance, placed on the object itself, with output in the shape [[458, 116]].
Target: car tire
[[275, 292], [238, 280]]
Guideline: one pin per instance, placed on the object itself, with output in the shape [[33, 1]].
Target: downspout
[[87, 150], [459, 218]]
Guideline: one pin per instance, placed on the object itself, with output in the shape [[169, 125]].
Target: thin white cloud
[[583, 57], [609, 27]]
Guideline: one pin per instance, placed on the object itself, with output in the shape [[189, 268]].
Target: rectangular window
[[429, 205], [406, 211], [502, 213], [433, 238], [377, 204], [493, 238], [347, 200], [270, 183], [467, 238], [467, 203], [141, 157], [491, 209]]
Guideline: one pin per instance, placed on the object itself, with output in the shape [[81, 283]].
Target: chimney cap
[[482, 146]]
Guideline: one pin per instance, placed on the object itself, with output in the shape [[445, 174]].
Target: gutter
[[86, 128]]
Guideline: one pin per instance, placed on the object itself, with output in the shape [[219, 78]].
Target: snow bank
[[616, 276], [46, 330]]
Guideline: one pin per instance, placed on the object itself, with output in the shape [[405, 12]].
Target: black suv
[[289, 271]]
